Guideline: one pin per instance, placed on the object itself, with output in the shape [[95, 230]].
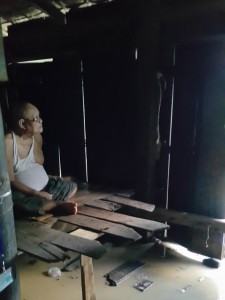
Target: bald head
[[17, 111]]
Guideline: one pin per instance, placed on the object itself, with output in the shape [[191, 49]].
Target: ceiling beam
[[51, 10]]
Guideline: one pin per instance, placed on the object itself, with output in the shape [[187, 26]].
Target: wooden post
[[87, 278], [148, 99], [7, 226]]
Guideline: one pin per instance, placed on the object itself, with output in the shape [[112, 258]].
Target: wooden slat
[[127, 194], [131, 202], [30, 245], [89, 196], [87, 234], [87, 278], [84, 246], [78, 244], [73, 263], [102, 226], [42, 218], [54, 250], [107, 205], [62, 226], [123, 219]]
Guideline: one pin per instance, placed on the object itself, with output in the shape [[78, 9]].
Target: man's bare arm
[[14, 183]]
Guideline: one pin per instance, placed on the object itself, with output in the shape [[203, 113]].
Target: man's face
[[32, 120]]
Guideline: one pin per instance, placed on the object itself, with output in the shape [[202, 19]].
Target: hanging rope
[[207, 237]]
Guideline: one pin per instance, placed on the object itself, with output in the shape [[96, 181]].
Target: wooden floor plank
[[188, 219], [87, 196], [87, 278], [42, 233], [102, 226], [54, 250], [82, 245], [107, 205], [123, 219], [30, 245], [65, 227], [74, 262], [131, 202]]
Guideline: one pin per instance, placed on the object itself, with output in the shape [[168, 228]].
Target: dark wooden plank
[[42, 218], [87, 196], [188, 219], [62, 226], [131, 202], [54, 250], [107, 205], [123, 219], [72, 264], [41, 232], [127, 193], [30, 245], [84, 246], [102, 226], [122, 272]]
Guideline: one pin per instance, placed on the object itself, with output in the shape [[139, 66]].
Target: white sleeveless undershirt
[[27, 170]]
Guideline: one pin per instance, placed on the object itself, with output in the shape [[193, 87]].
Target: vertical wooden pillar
[[3, 71], [87, 278], [148, 99], [7, 227]]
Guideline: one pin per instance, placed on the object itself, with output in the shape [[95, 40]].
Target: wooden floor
[[49, 238], [61, 241]]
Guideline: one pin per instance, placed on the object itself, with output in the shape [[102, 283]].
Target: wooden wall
[[106, 50], [122, 97]]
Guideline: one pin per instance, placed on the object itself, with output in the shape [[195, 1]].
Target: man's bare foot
[[68, 208]]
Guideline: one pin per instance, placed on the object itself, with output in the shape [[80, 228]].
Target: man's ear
[[22, 123]]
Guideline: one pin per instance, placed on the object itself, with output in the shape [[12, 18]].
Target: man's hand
[[44, 195]]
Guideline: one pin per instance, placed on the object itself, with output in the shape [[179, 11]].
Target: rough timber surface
[[38, 237], [131, 203], [102, 226], [29, 232], [87, 196], [135, 222], [31, 245], [107, 205]]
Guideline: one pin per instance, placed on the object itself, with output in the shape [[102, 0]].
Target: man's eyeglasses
[[35, 119]]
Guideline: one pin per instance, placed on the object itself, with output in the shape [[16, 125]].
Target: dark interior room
[[131, 96]]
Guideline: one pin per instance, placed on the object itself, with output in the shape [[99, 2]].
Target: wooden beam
[[51, 10], [87, 278], [188, 219]]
